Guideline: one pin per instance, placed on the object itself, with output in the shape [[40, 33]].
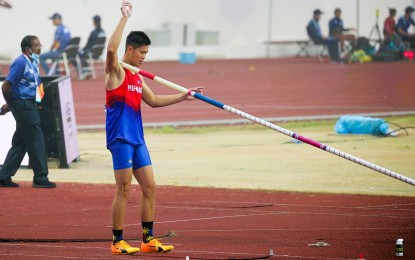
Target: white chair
[[317, 50]]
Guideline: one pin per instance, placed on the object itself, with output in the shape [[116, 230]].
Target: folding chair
[[94, 55], [70, 54], [347, 48], [318, 50]]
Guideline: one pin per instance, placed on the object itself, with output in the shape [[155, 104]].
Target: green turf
[[253, 156], [408, 121]]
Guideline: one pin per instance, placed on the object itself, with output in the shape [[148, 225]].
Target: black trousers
[[27, 138], [410, 40], [333, 47]]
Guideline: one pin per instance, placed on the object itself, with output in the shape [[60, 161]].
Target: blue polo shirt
[[336, 26], [404, 23], [63, 36], [25, 78]]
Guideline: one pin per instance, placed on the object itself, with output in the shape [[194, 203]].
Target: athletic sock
[[116, 235], [147, 228]]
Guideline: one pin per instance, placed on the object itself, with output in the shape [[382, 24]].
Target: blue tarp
[[361, 125]]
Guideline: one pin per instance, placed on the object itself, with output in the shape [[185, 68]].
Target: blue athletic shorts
[[125, 155]]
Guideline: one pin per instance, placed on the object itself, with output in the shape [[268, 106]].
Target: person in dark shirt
[[336, 29], [404, 22], [97, 35], [314, 32]]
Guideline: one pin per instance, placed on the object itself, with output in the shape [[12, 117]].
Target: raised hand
[[126, 8]]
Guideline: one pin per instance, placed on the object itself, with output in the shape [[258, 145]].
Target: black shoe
[[43, 184], [8, 184]]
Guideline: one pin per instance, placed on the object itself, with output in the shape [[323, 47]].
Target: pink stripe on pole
[[311, 142], [146, 74]]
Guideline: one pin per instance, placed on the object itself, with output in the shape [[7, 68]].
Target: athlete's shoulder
[[115, 77]]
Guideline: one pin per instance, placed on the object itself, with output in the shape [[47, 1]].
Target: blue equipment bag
[[361, 125]]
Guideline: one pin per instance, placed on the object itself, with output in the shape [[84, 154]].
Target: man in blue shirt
[[61, 40], [314, 32], [403, 25], [21, 90], [336, 29]]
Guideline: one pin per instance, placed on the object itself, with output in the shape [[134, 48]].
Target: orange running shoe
[[123, 248], [155, 246]]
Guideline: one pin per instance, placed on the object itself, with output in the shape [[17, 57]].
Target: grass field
[[254, 157]]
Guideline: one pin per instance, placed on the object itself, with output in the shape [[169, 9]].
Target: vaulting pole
[[272, 126]]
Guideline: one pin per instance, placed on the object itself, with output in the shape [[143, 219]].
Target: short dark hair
[[409, 9], [27, 42], [392, 11], [97, 19], [137, 39], [317, 12]]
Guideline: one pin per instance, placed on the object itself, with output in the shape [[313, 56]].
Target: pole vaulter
[[272, 126]]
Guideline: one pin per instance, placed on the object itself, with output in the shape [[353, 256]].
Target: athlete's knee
[[149, 191], [123, 189]]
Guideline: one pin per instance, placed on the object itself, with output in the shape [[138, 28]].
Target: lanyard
[[34, 68], [39, 87]]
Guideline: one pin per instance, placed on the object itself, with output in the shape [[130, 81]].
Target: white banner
[[68, 120], [7, 129]]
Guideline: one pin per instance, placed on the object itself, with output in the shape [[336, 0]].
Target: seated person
[[336, 29], [96, 35], [314, 32], [61, 40], [389, 26], [404, 23], [389, 30]]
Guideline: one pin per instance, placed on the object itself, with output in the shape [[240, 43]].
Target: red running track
[[266, 88], [209, 224], [229, 224]]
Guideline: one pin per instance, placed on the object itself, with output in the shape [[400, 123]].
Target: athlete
[[125, 138]]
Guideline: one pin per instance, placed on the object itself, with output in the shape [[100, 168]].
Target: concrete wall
[[243, 24]]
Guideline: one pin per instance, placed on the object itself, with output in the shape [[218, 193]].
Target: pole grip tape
[[208, 100], [146, 74]]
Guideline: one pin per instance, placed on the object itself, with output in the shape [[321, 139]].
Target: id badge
[[39, 93]]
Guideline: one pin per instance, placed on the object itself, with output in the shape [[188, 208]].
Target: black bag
[[363, 43], [387, 55]]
